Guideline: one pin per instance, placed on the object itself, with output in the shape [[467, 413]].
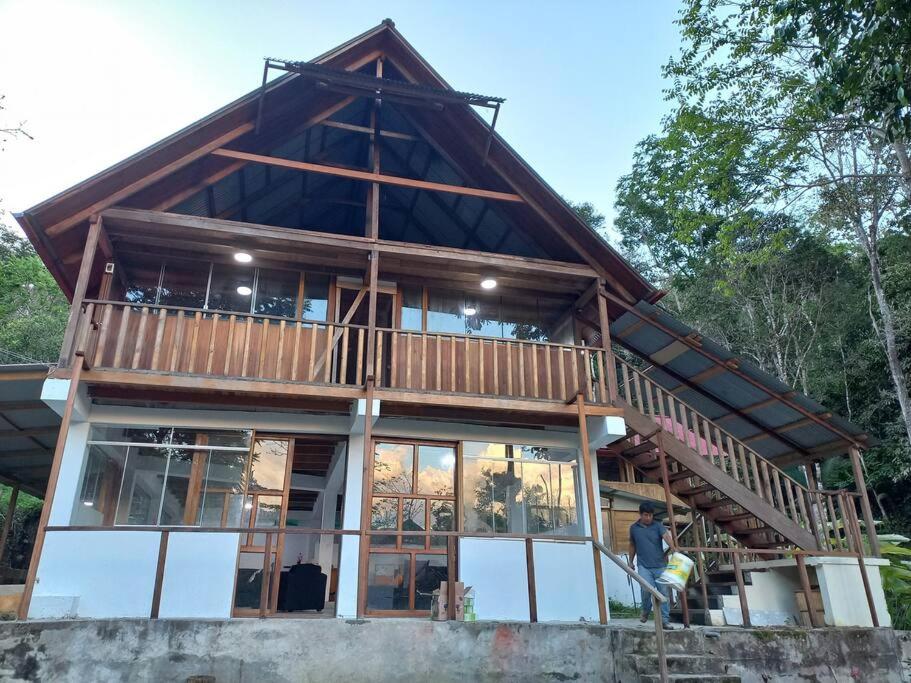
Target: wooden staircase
[[742, 496]]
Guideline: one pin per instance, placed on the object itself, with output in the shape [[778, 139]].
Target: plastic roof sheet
[[720, 396]]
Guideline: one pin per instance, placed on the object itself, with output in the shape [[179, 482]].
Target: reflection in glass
[[436, 469], [316, 297], [412, 307], [414, 512], [142, 282], [393, 465], [184, 284], [223, 294], [388, 581], [276, 292], [384, 514], [143, 482], [177, 486], [429, 572], [267, 472], [441, 519], [248, 589]]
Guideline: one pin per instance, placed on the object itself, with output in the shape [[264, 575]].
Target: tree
[[752, 66]]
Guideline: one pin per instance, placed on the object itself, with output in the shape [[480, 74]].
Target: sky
[[95, 81]]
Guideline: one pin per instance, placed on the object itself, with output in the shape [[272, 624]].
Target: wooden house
[[336, 343]]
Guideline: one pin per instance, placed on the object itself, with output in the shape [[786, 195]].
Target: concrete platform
[[280, 650]]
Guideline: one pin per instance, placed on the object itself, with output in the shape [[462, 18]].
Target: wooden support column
[[610, 365], [373, 191], [8, 520], [807, 591], [592, 507], [51, 486], [861, 482], [367, 484], [82, 283]]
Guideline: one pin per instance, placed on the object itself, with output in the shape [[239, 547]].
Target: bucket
[[678, 571]]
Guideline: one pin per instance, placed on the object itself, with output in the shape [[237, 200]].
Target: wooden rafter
[[366, 175]]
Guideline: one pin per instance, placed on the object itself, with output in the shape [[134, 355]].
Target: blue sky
[[97, 81]]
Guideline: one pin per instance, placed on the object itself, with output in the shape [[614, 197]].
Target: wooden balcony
[[176, 347]]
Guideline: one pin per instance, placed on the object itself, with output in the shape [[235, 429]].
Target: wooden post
[[8, 520], [610, 366], [858, 467], [592, 508], [862, 565], [807, 591], [159, 574], [82, 283], [530, 574], [267, 573], [741, 590], [366, 478], [700, 559], [51, 487], [451, 572]]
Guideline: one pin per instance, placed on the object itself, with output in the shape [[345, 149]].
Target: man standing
[[645, 536]]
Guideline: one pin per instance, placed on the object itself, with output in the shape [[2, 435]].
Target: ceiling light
[[243, 290], [470, 310], [488, 283], [248, 506], [242, 257], [88, 503]]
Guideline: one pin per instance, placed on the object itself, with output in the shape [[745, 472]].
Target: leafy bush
[[897, 584]]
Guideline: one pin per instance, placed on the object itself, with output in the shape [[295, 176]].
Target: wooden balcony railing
[[507, 368], [223, 344], [194, 341], [823, 513]]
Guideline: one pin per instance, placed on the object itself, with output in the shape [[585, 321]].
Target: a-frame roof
[[181, 164]]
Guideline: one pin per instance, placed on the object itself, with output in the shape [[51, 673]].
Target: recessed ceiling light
[[488, 283], [242, 257], [243, 290], [470, 310], [88, 503]]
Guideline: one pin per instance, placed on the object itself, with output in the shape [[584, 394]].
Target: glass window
[[414, 513], [267, 472], [384, 514], [436, 468], [412, 307], [445, 312], [184, 283], [429, 572], [441, 519], [520, 489], [393, 465], [388, 581], [142, 283], [276, 292], [143, 484], [146, 476], [248, 589], [231, 288], [316, 297]]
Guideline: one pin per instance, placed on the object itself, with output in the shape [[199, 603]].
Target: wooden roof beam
[[367, 176]]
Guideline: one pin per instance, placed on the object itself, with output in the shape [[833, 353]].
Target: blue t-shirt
[[647, 542]]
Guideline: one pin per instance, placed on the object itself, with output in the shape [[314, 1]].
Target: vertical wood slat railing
[[226, 344], [507, 368], [819, 511]]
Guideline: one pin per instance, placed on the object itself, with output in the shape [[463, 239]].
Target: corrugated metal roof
[[778, 424]]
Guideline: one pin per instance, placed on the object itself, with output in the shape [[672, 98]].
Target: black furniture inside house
[[302, 587]]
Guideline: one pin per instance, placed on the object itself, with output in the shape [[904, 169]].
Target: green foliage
[[897, 584], [618, 610], [22, 532], [33, 310]]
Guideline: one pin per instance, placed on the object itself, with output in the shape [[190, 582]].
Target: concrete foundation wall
[[421, 650]]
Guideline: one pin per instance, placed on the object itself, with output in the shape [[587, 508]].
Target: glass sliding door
[[413, 490]]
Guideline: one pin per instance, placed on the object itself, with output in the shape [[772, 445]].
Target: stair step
[[751, 531], [694, 491], [723, 519], [686, 474], [644, 447], [715, 503]]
